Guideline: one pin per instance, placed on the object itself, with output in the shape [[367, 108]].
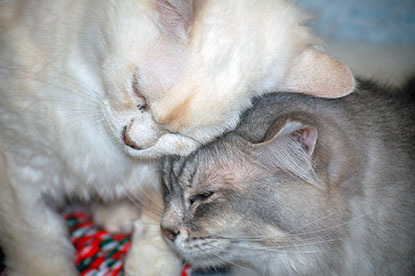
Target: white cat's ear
[[177, 15], [319, 75], [290, 147]]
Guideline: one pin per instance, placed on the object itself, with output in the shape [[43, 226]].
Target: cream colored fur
[[149, 246], [82, 79]]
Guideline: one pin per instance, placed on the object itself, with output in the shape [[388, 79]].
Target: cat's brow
[[186, 170], [167, 175], [178, 167], [192, 175]]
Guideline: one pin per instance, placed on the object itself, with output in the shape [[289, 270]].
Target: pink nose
[[170, 234]]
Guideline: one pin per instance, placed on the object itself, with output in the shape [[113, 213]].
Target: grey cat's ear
[[177, 15], [303, 135], [290, 147], [320, 75]]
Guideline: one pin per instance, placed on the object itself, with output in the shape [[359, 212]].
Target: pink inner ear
[[307, 138]]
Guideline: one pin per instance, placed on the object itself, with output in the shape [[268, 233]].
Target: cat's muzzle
[[127, 140]]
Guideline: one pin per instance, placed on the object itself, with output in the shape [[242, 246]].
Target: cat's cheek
[[214, 219], [200, 252]]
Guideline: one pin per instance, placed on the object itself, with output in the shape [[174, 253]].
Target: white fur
[[72, 74]]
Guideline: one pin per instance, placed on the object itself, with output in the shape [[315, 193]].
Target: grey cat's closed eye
[[200, 197]]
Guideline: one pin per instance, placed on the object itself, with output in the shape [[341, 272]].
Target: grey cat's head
[[270, 188]]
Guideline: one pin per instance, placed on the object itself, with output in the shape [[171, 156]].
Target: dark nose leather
[[170, 234]]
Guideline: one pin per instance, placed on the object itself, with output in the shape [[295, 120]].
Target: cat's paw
[[116, 217], [150, 254]]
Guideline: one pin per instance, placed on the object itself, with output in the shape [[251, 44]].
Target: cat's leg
[[150, 254], [33, 237], [116, 217]]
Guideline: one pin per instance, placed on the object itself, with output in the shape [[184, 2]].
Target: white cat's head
[[179, 73]]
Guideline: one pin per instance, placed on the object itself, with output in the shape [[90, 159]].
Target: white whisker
[[286, 248], [220, 257], [62, 74], [318, 220], [294, 236], [141, 205]]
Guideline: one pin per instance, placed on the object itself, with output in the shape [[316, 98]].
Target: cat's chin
[[206, 261], [204, 252]]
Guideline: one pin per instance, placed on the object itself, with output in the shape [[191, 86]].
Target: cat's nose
[[128, 141], [141, 133], [170, 233]]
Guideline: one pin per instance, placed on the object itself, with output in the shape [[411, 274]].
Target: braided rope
[[98, 253]]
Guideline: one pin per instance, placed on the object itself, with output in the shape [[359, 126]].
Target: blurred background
[[376, 38]]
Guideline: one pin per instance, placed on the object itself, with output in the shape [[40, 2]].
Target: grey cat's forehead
[[233, 150], [180, 171], [202, 166]]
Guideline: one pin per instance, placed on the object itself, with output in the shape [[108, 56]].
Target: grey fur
[[345, 208]]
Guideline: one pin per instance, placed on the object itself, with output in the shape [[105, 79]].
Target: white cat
[[93, 91]]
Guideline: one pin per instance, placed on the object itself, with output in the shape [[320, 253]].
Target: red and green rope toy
[[98, 253]]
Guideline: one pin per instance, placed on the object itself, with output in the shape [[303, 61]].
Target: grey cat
[[304, 186]]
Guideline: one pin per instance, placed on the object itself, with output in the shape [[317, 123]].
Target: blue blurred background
[[376, 38], [386, 22]]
